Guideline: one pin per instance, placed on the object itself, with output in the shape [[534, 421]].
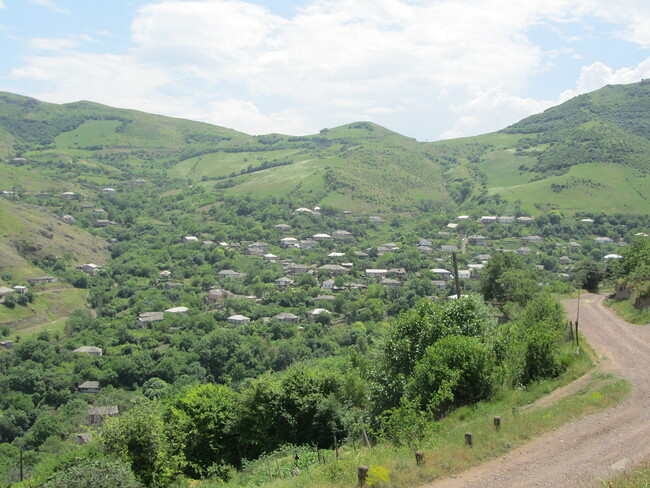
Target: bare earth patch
[[596, 447]]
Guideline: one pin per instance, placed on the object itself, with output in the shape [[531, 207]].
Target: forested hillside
[[182, 304]]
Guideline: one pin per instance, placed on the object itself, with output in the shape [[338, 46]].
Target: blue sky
[[429, 69]]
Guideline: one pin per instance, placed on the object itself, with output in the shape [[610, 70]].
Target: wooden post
[[419, 458], [456, 280], [336, 448], [364, 434], [497, 423], [277, 463], [318, 455], [577, 319], [362, 474], [571, 331], [468, 439]]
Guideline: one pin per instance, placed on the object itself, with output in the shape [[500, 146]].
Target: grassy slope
[[594, 149]]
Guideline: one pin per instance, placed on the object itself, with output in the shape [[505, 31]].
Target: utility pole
[[456, 280], [577, 320]]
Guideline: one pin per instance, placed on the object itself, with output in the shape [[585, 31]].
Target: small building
[[335, 254], [146, 318], [440, 284], [321, 237], [89, 387], [425, 249], [90, 269], [505, 219], [397, 271], [341, 234], [448, 248], [217, 295], [165, 274], [463, 218], [97, 415], [297, 269], [452, 225], [375, 219], [390, 282], [488, 219], [565, 260], [229, 273], [523, 251], [287, 318], [289, 242], [21, 289], [327, 285], [108, 190], [484, 257], [7, 344], [283, 282], [188, 239], [283, 227], [376, 273], [334, 269], [261, 247], [308, 244], [238, 320], [476, 240], [303, 210], [178, 310], [104, 223], [40, 280], [67, 218], [81, 439], [464, 274], [68, 194], [425, 242], [603, 240], [270, 257], [317, 311], [92, 350], [442, 273], [587, 221], [325, 298], [532, 239], [524, 220]]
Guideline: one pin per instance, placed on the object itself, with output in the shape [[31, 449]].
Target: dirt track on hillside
[[596, 447]]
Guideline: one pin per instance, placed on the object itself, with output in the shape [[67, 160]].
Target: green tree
[[101, 472], [508, 278], [588, 274]]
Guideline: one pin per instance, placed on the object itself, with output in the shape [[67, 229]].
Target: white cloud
[[423, 68], [2, 5], [51, 5]]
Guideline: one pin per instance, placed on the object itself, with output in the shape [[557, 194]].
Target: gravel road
[[596, 447]]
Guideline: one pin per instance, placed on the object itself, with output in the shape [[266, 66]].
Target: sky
[[427, 69]]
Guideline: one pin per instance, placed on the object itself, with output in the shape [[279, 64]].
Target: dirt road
[[596, 447]]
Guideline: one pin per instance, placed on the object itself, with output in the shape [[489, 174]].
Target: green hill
[[588, 154]]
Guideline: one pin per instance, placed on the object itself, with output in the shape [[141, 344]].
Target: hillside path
[[596, 447]]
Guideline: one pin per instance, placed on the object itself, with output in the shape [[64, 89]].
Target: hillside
[[588, 154]]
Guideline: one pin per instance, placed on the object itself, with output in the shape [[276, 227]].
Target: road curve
[[596, 447]]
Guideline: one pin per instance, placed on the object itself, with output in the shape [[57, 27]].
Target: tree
[[141, 438], [101, 472], [588, 274], [508, 277]]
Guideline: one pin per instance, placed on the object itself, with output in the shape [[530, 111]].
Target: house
[[391, 246], [613, 256], [108, 190], [39, 280], [335, 254], [283, 227], [505, 219], [289, 242], [148, 317], [283, 282], [229, 273], [341, 234], [83, 438], [287, 318], [564, 260], [92, 350], [463, 218], [448, 248], [574, 244], [532, 239], [464, 274], [170, 285], [425, 242], [376, 273], [7, 344], [238, 320], [271, 258], [484, 257], [475, 267], [476, 240], [321, 237], [524, 220], [397, 271], [425, 249], [262, 246], [208, 243], [297, 269], [89, 387], [587, 221], [317, 311], [104, 223], [308, 244], [90, 269], [96, 415], [217, 295], [68, 194], [488, 219], [327, 285], [303, 210], [390, 283], [442, 273], [178, 310], [334, 269], [440, 284], [67, 218], [523, 250], [165, 274], [99, 211], [4, 291], [603, 240], [375, 220], [20, 289]]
